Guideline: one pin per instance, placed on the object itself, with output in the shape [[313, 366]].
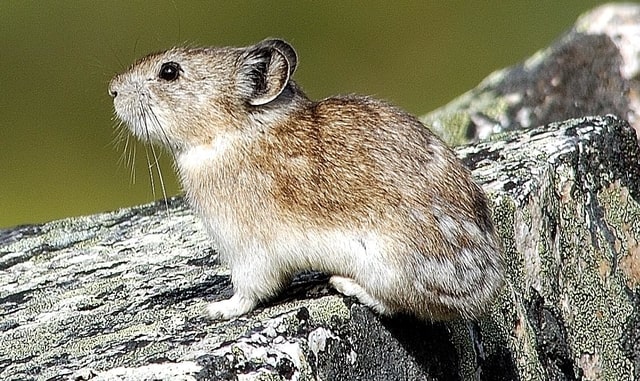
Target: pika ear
[[265, 70]]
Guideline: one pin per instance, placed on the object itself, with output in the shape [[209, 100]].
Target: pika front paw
[[228, 309]]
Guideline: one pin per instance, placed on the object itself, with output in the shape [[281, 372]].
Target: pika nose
[[113, 87]]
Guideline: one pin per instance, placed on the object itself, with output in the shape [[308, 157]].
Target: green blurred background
[[57, 151]]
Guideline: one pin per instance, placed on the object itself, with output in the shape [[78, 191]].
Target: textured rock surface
[[566, 202], [592, 70], [121, 295]]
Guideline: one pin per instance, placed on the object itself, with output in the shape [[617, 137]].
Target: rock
[[566, 203], [121, 295], [591, 70]]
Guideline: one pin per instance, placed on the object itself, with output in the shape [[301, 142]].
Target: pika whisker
[[156, 163], [164, 139], [146, 120], [130, 150], [127, 156]]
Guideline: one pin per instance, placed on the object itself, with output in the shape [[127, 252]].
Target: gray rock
[[592, 70], [121, 296]]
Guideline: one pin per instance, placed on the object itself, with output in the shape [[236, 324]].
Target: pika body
[[349, 185]]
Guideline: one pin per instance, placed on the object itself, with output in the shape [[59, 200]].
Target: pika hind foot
[[349, 287], [227, 309]]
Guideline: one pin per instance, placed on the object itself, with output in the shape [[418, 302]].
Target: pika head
[[184, 97]]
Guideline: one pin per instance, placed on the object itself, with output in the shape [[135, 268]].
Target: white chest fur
[[194, 159], [208, 174]]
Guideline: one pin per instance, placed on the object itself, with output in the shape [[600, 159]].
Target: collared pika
[[349, 185]]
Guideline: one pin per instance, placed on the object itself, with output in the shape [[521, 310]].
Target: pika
[[349, 185]]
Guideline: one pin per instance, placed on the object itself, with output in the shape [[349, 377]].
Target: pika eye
[[170, 71]]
